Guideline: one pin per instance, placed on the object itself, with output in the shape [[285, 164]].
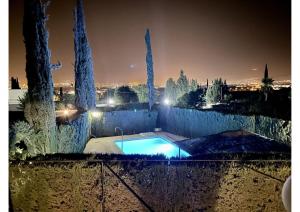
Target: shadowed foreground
[[180, 186]]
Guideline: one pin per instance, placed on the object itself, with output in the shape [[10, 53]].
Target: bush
[[191, 99], [24, 141], [23, 100]]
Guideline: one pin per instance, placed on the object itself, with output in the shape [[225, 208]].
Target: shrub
[[142, 92], [23, 100], [24, 141], [191, 99]]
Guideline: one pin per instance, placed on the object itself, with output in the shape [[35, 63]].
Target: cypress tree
[[266, 75], [182, 84], [85, 94], [150, 76], [267, 83], [39, 111]]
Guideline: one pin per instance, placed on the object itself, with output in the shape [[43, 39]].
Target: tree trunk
[[39, 112], [85, 94]]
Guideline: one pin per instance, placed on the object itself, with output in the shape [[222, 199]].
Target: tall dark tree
[[84, 72], [61, 94], [182, 84], [39, 111], [214, 93], [15, 83], [150, 75], [266, 83]]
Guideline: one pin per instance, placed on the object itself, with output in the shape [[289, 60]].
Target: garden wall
[[131, 121], [189, 123], [194, 123]]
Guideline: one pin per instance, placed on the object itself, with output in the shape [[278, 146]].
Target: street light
[[96, 114], [166, 101], [66, 112], [111, 101]]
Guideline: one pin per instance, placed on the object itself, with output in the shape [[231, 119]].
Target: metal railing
[[122, 133]]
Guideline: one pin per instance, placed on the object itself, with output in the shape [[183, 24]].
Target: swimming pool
[[151, 146]]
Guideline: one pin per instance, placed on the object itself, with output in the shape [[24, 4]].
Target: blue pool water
[[151, 146]]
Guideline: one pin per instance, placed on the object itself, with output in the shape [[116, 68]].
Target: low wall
[[277, 129], [194, 123], [189, 123], [185, 186], [130, 121]]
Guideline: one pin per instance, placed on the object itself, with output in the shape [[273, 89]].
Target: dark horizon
[[207, 39]]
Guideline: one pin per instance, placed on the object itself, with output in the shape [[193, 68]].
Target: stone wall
[[194, 123], [277, 129], [130, 121]]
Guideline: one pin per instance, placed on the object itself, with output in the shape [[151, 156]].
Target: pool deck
[[107, 144]]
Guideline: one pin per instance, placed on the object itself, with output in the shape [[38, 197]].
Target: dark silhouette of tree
[[125, 95], [61, 94], [191, 99], [15, 83], [182, 84], [150, 75], [142, 92], [267, 83], [85, 93], [39, 111], [214, 93], [193, 85]]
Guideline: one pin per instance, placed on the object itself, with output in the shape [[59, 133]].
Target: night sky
[[232, 39]]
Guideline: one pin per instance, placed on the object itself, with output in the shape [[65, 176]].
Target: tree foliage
[[15, 83], [124, 95], [191, 99], [193, 85], [175, 90], [215, 92], [24, 141], [142, 92], [182, 84], [23, 101], [39, 111], [267, 83], [85, 93], [150, 74]]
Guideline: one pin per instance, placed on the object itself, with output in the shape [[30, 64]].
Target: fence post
[[102, 187]]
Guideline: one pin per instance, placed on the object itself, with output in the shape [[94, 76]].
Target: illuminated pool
[[151, 146]]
